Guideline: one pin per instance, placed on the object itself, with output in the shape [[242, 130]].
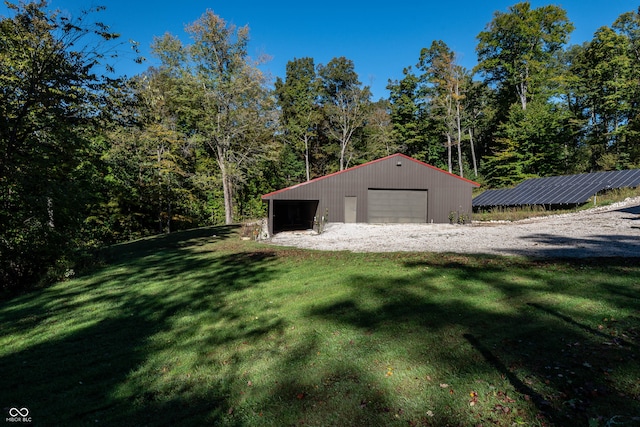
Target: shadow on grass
[[181, 334], [107, 338], [566, 371], [182, 239]]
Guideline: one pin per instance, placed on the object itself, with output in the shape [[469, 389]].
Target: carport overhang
[[290, 215]]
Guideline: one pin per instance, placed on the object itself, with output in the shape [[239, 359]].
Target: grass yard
[[191, 329]]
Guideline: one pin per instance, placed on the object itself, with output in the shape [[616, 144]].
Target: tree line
[[87, 159]]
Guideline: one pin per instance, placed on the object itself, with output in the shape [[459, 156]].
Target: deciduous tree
[[50, 102], [345, 104], [516, 47], [229, 106], [445, 84]]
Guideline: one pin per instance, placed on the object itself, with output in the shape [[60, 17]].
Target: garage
[[397, 206], [393, 189]]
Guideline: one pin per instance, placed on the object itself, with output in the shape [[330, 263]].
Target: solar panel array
[[559, 190]]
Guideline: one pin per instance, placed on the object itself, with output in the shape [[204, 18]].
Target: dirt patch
[[608, 231]]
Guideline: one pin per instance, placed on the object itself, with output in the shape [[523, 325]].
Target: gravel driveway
[[608, 231]]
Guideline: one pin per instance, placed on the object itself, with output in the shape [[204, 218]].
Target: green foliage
[[607, 81], [515, 50], [298, 98], [444, 86], [415, 129], [405, 111], [50, 102], [85, 159], [378, 132], [533, 133], [225, 102], [346, 105], [290, 169], [531, 143]]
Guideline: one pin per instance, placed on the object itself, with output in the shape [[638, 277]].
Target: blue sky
[[381, 38]]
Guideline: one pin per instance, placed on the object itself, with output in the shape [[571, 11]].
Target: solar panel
[[491, 198], [559, 190]]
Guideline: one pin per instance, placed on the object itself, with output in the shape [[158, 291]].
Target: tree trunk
[[228, 195], [227, 185], [169, 213], [306, 156], [459, 132], [449, 151], [473, 154], [50, 212], [343, 149]]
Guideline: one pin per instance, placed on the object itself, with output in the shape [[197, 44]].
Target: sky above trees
[[381, 38]]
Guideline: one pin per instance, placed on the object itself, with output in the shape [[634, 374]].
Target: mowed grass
[[201, 328]]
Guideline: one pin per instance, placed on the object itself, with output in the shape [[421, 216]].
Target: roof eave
[[404, 156]]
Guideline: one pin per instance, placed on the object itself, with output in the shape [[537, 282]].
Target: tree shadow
[[106, 332], [634, 210], [181, 239], [124, 354], [568, 247], [561, 366]]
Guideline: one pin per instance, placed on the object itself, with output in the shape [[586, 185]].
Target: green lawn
[[192, 329]]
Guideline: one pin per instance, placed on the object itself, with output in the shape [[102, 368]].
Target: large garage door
[[397, 206]]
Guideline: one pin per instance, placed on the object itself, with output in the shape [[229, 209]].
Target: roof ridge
[[367, 164]]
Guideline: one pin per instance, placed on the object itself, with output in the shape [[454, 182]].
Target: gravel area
[[607, 231]]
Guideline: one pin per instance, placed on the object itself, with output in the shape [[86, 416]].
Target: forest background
[[89, 159]]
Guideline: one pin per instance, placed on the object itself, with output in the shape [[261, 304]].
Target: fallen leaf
[[474, 398], [443, 385]]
